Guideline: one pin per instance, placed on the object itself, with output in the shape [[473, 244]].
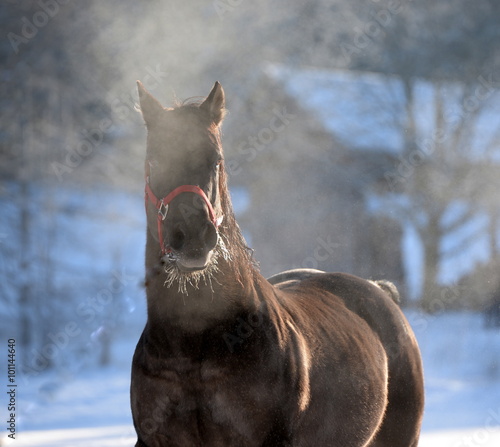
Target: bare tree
[[447, 120]]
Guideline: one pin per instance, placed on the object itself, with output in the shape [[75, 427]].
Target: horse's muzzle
[[192, 262], [193, 253]]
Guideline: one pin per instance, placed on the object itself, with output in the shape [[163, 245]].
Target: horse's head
[[183, 201]]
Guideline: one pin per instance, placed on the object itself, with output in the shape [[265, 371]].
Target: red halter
[[162, 207]]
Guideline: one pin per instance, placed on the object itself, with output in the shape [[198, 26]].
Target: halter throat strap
[[162, 206]]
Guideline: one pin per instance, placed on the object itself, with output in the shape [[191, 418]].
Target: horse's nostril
[[210, 236], [178, 238]]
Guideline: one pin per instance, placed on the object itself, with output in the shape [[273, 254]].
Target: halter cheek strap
[[162, 206]]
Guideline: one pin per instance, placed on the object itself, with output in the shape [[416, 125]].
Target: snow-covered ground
[[91, 408]]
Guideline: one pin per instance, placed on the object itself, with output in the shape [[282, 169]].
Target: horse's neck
[[228, 292]]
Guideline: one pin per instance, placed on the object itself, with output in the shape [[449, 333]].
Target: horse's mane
[[231, 228], [191, 103]]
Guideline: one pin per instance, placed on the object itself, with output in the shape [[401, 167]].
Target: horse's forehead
[[181, 135], [186, 126]]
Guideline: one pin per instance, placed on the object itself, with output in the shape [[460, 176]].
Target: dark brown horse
[[228, 358]]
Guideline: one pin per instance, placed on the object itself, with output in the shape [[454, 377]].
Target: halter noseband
[[162, 206]]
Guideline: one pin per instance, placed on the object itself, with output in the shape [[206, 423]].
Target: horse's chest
[[203, 405]]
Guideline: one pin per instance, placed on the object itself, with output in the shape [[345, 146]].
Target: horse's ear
[[151, 109], [215, 103]]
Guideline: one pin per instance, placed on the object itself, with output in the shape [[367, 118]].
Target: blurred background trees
[[385, 161]]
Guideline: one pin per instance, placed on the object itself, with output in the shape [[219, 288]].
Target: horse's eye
[[218, 163]]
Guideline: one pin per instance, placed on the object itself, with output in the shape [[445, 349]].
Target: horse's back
[[375, 302], [293, 276]]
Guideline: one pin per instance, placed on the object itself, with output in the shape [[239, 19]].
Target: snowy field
[[91, 408]]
